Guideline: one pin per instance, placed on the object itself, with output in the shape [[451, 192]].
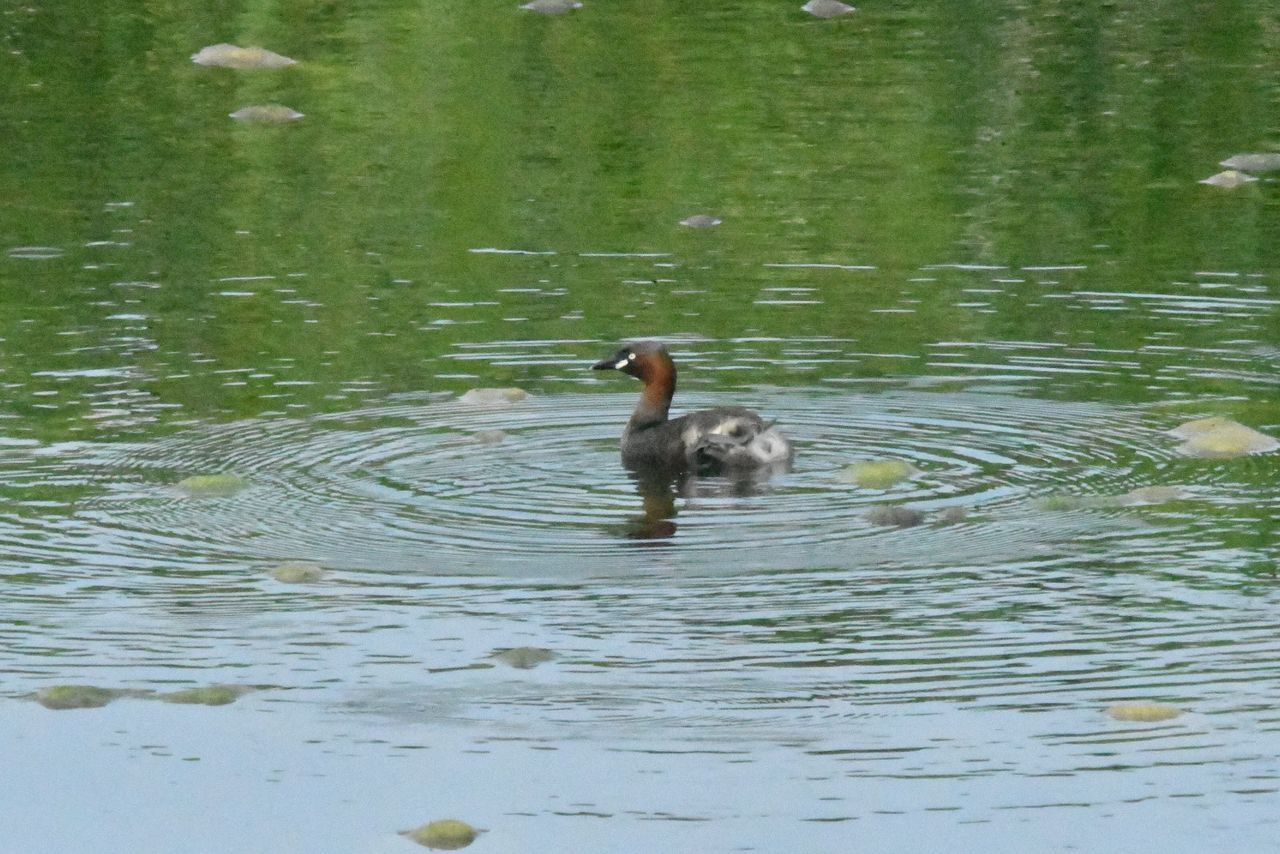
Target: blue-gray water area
[[308, 484]]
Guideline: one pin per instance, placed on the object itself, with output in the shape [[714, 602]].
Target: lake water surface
[[968, 237]]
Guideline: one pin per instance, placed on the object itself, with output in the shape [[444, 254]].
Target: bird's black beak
[[611, 363]]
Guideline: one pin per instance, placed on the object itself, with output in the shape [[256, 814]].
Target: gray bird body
[[728, 438]]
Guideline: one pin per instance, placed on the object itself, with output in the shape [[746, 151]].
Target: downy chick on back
[[722, 440]]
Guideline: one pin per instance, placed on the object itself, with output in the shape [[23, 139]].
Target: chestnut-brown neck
[[658, 373]]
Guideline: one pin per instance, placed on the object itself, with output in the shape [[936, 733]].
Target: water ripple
[[443, 487]]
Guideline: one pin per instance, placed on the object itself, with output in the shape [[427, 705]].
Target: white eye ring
[[631, 357]]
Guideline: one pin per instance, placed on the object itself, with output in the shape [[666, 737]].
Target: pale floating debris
[[1230, 179], [77, 696], [878, 474], [448, 834], [524, 657], [298, 572], [267, 113], [492, 396], [36, 253], [827, 8], [211, 485], [895, 516], [701, 221], [234, 56], [210, 695], [1143, 712], [1221, 438], [1253, 162], [552, 7]]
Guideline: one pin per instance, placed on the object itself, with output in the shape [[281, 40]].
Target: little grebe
[[727, 438]]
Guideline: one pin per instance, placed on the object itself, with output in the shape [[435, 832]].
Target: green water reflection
[[337, 249]]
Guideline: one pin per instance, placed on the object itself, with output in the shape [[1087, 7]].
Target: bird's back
[[710, 440]]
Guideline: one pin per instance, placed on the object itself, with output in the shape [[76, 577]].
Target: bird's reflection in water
[[658, 490]]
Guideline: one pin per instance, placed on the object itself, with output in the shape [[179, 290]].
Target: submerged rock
[[524, 657], [701, 221], [1221, 438], [77, 696], [298, 572], [234, 56], [1134, 497], [878, 474], [895, 516], [210, 695], [1149, 495], [1143, 712], [211, 485], [1253, 162], [490, 437], [827, 8], [491, 396], [1229, 180], [447, 834], [1058, 503], [552, 7], [267, 114]]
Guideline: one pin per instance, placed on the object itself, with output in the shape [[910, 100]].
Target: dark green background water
[[969, 235], [909, 135]]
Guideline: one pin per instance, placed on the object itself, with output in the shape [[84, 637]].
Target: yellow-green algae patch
[[209, 695], [1143, 712], [211, 485], [1221, 438], [878, 474], [78, 696], [491, 396], [447, 834], [298, 572], [524, 657]]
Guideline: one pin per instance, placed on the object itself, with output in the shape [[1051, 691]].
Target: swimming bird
[[727, 439]]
